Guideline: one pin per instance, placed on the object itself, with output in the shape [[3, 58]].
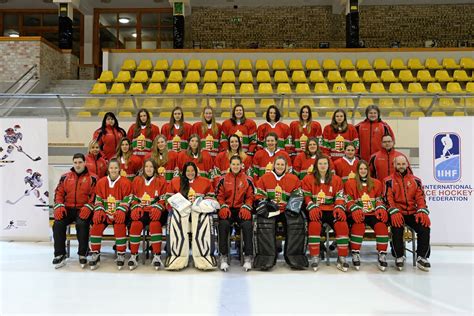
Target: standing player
[[302, 130], [177, 131], [264, 158], [165, 159], [222, 161], [241, 126], [209, 132], [274, 125], [108, 135], [142, 133], [129, 163], [304, 162], [337, 134]]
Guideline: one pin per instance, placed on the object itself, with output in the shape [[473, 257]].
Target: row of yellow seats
[[282, 88], [298, 76], [297, 64]]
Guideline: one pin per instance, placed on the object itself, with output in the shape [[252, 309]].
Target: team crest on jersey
[[447, 157]]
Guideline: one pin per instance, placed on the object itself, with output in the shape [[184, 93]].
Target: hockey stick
[[21, 150], [21, 197]]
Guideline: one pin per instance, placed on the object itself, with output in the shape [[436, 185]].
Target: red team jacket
[[169, 169], [263, 161], [326, 196], [246, 131], [148, 192], [235, 191], [363, 199], [281, 129], [381, 163], [75, 191], [370, 136], [211, 142], [300, 137], [205, 167], [177, 141], [113, 195], [276, 188], [109, 141], [404, 193], [345, 169], [334, 143], [96, 165], [141, 144]]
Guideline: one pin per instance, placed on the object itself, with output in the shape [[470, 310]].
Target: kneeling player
[[364, 201]]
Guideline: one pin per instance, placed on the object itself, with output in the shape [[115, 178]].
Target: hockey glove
[[59, 213], [396, 218], [85, 212], [423, 219], [99, 217], [119, 217], [155, 214], [245, 214], [137, 213], [381, 214], [224, 213], [339, 215], [315, 214], [358, 216]]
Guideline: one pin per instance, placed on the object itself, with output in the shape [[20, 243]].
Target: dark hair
[[280, 158], [334, 125], [233, 119], [189, 151], [154, 167], [310, 118], [272, 134], [240, 151], [349, 144], [235, 157], [138, 124], [317, 175], [173, 121], [370, 180], [120, 153], [111, 161], [373, 107], [277, 113], [79, 155], [306, 150], [104, 125], [184, 181]]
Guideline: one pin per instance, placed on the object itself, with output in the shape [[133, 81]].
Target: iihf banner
[[446, 169], [24, 192]]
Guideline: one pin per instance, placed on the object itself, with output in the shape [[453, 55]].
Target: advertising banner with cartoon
[[446, 169], [24, 192]]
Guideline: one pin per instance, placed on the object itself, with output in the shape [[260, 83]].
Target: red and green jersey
[[205, 166], [367, 201], [264, 159], [199, 187], [345, 168], [247, 132], [112, 196], [148, 192], [277, 188], [299, 135], [326, 196], [280, 129], [177, 139], [169, 169], [210, 141], [334, 142], [141, 144]]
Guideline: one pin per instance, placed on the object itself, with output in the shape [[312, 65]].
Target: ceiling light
[[124, 20], [134, 34]]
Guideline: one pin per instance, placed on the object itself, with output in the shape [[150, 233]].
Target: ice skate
[[59, 261], [382, 261], [342, 264], [247, 263], [94, 263], [120, 261], [356, 259], [132, 262]]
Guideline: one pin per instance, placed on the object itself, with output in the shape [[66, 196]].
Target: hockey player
[[364, 202], [337, 134], [370, 132], [304, 162], [73, 202], [324, 197], [12, 137], [177, 131], [201, 158], [94, 162], [405, 198], [264, 158], [165, 159], [274, 125], [109, 135], [381, 163], [209, 132], [222, 161], [110, 208], [33, 179], [346, 167], [274, 190], [147, 208], [235, 194], [199, 192], [243, 127], [129, 164], [302, 130], [142, 133]]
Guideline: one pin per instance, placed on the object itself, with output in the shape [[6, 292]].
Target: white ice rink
[[30, 285]]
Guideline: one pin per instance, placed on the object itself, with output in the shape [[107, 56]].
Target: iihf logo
[[447, 157]]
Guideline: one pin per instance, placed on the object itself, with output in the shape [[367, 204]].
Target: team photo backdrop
[[24, 192], [446, 159]]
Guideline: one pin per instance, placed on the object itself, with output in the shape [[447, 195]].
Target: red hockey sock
[[381, 236], [357, 235], [135, 234], [314, 237], [96, 236], [156, 236], [120, 232], [342, 240]]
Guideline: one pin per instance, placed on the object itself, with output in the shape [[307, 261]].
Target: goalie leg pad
[[203, 241], [265, 243], [177, 241], [295, 241]]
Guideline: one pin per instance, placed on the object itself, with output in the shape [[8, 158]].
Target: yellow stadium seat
[[450, 63], [135, 88], [438, 113], [125, 114], [388, 76], [377, 88], [190, 88], [434, 87], [175, 76], [211, 65], [316, 76], [150, 104], [165, 114], [140, 76], [92, 104], [178, 65], [281, 76], [398, 64], [188, 114], [363, 64], [415, 87], [458, 113], [312, 64], [442, 76], [424, 76], [396, 88], [358, 88], [161, 65], [117, 88], [245, 76], [395, 114], [406, 76], [158, 76], [356, 114], [380, 64], [261, 64], [84, 114], [172, 88], [101, 114], [415, 64], [278, 64], [329, 64], [334, 76], [346, 64], [295, 64], [110, 104], [263, 76], [302, 88], [284, 88], [447, 103], [466, 63], [128, 105], [129, 65], [99, 88], [432, 63], [339, 88], [106, 76], [228, 76], [248, 103], [195, 64], [470, 87], [454, 87], [210, 76], [123, 76], [154, 88], [209, 88], [352, 76], [265, 88], [228, 64], [193, 76], [225, 115], [245, 64], [228, 88], [247, 88], [298, 76], [370, 76], [145, 65], [321, 88], [417, 114], [461, 76]]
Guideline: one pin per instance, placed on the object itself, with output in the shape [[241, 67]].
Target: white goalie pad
[[179, 203], [178, 241], [203, 241], [201, 205]]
